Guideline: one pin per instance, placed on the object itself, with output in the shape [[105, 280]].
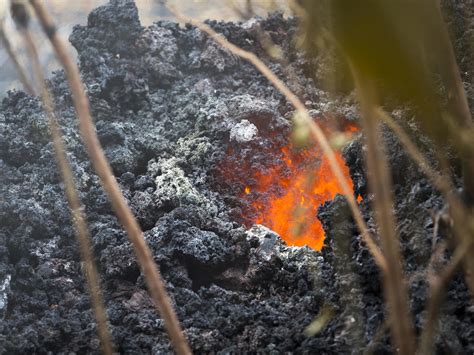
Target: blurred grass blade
[[318, 324]]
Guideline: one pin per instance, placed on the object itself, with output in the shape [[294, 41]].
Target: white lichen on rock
[[174, 188]]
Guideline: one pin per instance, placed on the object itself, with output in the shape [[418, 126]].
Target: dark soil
[[172, 111]]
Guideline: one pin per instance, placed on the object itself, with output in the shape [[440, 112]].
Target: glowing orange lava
[[293, 192]]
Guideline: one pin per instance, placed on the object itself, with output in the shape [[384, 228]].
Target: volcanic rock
[[173, 112]]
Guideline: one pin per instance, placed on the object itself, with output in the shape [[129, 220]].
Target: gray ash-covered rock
[[175, 113]]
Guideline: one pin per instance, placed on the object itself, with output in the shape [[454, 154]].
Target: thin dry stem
[[380, 184], [440, 181], [436, 296], [145, 258], [457, 101], [16, 62], [304, 114], [461, 227], [384, 327], [79, 219], [297, 9]]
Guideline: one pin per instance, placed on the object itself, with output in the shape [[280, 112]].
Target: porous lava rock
[[174, 111]]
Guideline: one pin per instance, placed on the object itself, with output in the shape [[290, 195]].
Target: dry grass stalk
[[16, 62], [381, 331], [296, 8], [460, 107], [306, 119], [380, 184], [79, 219], [442, 182], [437, 286], [145, 258], [460, 122], [462, 227], [462, 117]]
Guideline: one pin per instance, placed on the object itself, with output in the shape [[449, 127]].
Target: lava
[[286, 197]]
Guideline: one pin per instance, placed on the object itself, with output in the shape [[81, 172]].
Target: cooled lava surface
[[175, 112]]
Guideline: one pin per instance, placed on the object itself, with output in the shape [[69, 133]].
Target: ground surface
[[166, 101]]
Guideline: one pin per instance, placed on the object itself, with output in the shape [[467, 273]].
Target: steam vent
[[254, 240]]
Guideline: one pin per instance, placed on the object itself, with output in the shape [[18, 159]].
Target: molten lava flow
[[293, 192]]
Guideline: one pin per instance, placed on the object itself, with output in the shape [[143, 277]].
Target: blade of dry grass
[[78, 217], [437, 286], [440, 181], [145, 258], [462, 228], [296, 8], [460, 214], [378, 336], [380, 184], [16, 62], [303, 113], [457, 101]]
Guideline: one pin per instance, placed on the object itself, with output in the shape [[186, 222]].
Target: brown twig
[[145, 258], [461, 113], [303, 114], [436, 296], [440, 181], [78, 217], [461, 226], [461, 116], [380, 184], [14, 58], [384, 327], [296, 8]]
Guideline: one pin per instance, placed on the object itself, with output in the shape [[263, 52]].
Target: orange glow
[[293, 191]]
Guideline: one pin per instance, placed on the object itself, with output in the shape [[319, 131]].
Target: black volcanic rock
[[169, 104]]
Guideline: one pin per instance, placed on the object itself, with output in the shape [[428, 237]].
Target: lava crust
[[170, 106]]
